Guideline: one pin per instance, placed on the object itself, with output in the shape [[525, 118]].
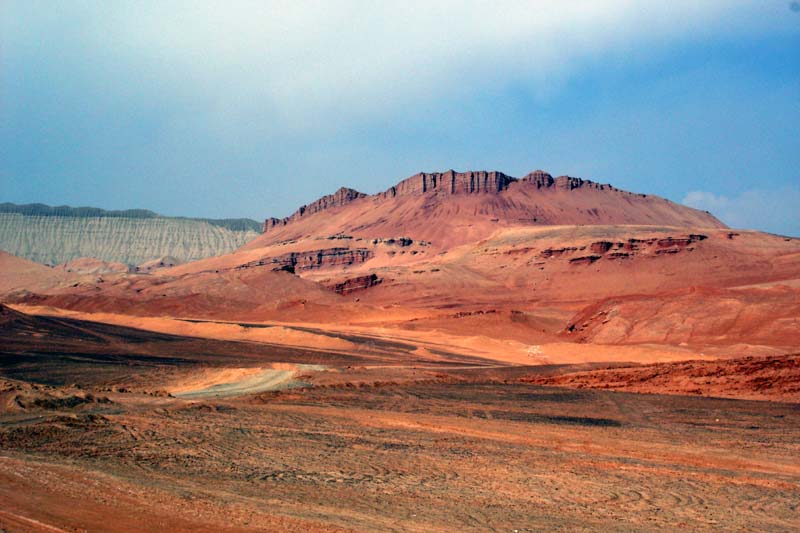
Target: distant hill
[[56, 234]]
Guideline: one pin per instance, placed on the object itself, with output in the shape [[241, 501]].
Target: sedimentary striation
[[52, 235]]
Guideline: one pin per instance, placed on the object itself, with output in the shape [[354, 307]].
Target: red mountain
[[457, 207]]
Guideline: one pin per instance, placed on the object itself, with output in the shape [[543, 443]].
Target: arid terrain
[[463, 351], [57, 235]]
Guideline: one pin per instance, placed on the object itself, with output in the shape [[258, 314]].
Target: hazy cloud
[[295, 66], [776, 210]]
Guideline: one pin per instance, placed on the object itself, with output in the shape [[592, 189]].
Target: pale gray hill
[[53, 235]]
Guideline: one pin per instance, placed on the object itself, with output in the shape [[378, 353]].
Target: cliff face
[[543, 180], [451, 182], [359, 283]]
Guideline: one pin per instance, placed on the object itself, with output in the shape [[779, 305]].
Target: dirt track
[[251, 381]]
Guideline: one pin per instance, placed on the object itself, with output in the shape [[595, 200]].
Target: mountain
[[456, 207], [560, 266], [53, 235]]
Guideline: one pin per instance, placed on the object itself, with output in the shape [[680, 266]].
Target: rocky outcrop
[[474, 182], [341, 197], [539, 178], [569, 183], [618, 255], [600, 247], [157, 264], [680, 242], [313, 259], [356, 284], [451, 182], [547, 253], [585, 260], [397, 241], [624, 250]]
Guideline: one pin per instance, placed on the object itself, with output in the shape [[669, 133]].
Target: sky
[[251, 109]]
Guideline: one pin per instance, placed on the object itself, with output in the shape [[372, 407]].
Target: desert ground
[[110, 428], [464, 351]]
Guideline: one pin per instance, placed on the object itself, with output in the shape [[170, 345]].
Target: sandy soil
[[755, 378], [393, 437], [417, 457], [427, 341]]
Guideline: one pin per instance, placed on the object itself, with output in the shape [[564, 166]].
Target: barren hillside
[[57, 235]]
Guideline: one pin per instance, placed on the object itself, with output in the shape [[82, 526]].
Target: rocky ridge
[[472, 182], [449, 183], [341, 197]]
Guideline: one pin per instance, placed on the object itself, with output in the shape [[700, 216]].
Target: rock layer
[[356, 284], [313, 259], [451, 182]]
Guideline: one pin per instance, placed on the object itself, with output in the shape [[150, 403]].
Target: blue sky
[[229, 109]]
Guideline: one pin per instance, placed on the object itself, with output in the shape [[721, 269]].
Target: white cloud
[[776, 210], [301, 65]]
